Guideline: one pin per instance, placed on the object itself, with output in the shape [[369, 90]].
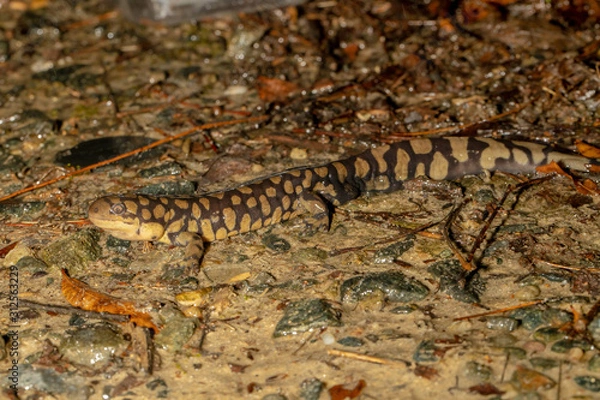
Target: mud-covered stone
[[73, 253], [393, 285], [304, 315]]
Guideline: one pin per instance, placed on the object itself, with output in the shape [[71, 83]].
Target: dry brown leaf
[[348, 391], [587, 150], [486, 389], [80, 295], [586, 187]]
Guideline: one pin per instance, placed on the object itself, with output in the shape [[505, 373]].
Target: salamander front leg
[[319, 215], [194, 249]]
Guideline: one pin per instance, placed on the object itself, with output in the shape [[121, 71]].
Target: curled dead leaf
[[81, 295]]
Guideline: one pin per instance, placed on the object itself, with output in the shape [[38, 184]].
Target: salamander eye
[[118, 209]]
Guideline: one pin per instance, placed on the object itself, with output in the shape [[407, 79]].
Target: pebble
[[394, 285], [94, 346], [176, 331], [351, 341], [426, 351], [590, 383], [298, 154], [534, 346], [74, 253], [478, 371], [503, 340], [549, 334], [507, 324], [310, 389], [594, 363], [543, 363], [393, 252], [304, 315], [328, 339], [529, 380], [529, 292]]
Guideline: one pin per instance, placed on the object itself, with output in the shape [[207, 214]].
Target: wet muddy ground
[[375, 308]]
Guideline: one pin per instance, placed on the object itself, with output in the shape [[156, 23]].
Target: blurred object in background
[[174, 11]]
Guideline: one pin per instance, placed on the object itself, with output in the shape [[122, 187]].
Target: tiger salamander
[[311, 191]]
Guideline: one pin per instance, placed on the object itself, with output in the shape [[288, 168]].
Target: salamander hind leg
[[315, 212], [194, 249]]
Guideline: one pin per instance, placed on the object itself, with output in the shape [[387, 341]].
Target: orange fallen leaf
[[341, 392], [586, 187], [81, 295], [587, 150], [6, 249]]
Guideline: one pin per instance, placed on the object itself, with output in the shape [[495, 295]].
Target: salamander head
[[126, 217]]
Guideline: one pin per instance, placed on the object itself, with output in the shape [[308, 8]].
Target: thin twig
[[152, 145], [466, 265], [497, 208], [502, 310], [371, 359]]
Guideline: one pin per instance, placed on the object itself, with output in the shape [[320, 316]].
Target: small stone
[[529, 292], [507, 324], [516, 352], [117, 245], [276, 243], [55, 384], [564, 345], [169, 168], [549, 334], [310, 389], [31, 265], [528, 380], [309, 255], [298, 154], [543, 363], [594, 363], [530, 317], [477, 371], [451, 277], [194, 298], [159, 387], [94, 346], [502, 340], [404, 310], [594, 329], [351, 341], [393, 285], [274, 396], [575, 354], [534, 346], [176, 331], [393, 252], [328, 339], [426, 351], [304, 315], [557, 317], [590, 383], [73, 253]]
